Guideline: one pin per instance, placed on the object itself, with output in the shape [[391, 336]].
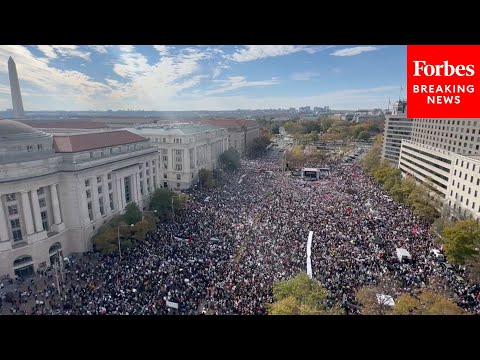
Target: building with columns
[[241, 132], [184, 149], [57, 191]]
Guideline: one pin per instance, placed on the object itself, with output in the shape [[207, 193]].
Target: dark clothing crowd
[[222, 253]]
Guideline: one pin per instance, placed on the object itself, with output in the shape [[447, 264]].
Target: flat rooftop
[[172, 129]]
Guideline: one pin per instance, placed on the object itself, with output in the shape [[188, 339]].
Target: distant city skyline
[[189, 78]]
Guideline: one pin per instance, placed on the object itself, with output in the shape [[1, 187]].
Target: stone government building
[[56, 191]]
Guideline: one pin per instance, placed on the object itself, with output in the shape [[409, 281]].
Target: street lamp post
[[118, 238]]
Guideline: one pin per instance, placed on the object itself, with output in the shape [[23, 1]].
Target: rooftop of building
[[64, 124], [92, 141], [12, 127], [228, 123], [172, 129]]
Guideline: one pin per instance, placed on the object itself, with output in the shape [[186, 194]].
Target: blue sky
[[227, 77]]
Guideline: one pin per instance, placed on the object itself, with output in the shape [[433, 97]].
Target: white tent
[[403, 254], [385, 300]]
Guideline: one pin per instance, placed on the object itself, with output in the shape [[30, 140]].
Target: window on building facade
[[87, 183], [141, 175], [42, 202], [128, 193], [89, 194], [110, 198], [164, 176], [99, 189], [99, 179], [29, 148], [16, 230], [165, 184], [40, 147], [90, 210], [109, 176], [179, 177], [178, 185], [12, 210], [178, 167], [110, 186], [40, 191], [11, 197], [44, 216], [100, 204]]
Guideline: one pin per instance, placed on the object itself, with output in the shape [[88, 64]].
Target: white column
[[27, 213], [36, 211], [144, 180], [137, 180], [117, 195], [134, 187], [57, 216], [3, 223]]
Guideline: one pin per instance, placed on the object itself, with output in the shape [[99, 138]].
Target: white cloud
[[101, 49], [48, 51], [216, 72], [255, 52], [166, 83], [302, 76], [53, 51], [162, 49], [237, 82], [354, 50], [127, 48]]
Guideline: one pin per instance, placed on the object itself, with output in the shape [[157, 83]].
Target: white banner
[[309, 254], [172, 304]]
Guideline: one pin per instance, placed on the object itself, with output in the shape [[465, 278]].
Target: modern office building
[[446, 152], [397, 128], [184, 149]]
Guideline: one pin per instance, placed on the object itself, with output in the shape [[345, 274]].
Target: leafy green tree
[[299, 295], [162, 202], [132, 213], [205, 177], [363, 135], [371, 160], [166, 201], [425, 204], [230, 159], [462, 240]]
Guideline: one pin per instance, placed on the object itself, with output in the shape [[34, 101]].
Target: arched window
[[22, 260], [54, 248]]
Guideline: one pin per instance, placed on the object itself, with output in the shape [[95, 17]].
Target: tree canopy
[[299, 295], [230, 159], [163, 200], [462, 241], [132, 214], [206, 179], [427, 303]]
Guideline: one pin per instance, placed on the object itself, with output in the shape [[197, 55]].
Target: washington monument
[[18, 112]]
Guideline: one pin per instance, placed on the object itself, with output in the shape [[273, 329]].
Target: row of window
[[443, 121]]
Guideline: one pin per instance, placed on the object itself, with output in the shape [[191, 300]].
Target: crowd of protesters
[[222, 253]]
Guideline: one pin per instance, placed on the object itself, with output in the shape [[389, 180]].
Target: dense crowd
[[222, 253]]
